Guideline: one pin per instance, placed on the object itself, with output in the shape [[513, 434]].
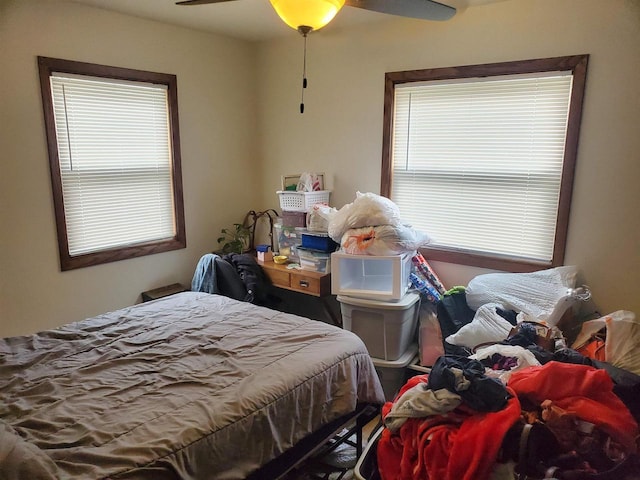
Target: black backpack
[[251, 276]]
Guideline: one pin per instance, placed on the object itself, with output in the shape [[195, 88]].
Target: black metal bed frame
[[320, 443]]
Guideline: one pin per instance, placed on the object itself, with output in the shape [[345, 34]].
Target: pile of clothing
[[558, 420], [509, 397]]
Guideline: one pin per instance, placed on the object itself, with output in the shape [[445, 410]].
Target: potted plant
[[235, 240]]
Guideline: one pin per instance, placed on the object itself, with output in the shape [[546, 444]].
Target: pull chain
[[304, 73]]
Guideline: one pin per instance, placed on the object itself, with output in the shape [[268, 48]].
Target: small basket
[[302, 201]]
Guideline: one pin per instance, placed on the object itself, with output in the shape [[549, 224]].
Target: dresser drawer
[[279, 278], [306, 284]]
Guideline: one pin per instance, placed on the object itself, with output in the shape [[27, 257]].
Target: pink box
[[429, 337]]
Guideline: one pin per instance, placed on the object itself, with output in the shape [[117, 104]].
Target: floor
[[337, 465]]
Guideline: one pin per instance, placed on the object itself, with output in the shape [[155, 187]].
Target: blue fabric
[[204, 278]]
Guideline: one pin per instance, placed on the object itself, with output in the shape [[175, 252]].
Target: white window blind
[[115, 161], [477, 163]]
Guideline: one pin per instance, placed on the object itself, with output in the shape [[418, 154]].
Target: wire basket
[[302, 201]]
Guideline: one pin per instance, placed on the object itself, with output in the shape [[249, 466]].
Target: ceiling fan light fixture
[[312, 14]]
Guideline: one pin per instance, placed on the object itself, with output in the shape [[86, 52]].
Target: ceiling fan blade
[[423, 9], [201, 2]]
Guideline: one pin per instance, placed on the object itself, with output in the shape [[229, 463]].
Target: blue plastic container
[[320, 242]]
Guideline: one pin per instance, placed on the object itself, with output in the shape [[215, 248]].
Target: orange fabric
[[594, 348], [580, 389]]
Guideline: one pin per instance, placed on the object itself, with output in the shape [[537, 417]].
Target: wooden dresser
[[303, 281]]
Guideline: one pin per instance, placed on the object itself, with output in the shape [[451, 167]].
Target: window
[[482, 158], [114, 155]]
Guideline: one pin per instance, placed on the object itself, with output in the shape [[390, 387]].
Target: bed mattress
[[191, 386]]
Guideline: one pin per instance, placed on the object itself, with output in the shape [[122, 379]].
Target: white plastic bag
[[543, 296], [487, 326], [309, 182], [623, 338], [368, 209], [382, 240], [318, 217]]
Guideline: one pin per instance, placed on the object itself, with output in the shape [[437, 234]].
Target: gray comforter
[[192, 386]]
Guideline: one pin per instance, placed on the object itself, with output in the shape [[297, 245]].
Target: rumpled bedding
[[190, 386]]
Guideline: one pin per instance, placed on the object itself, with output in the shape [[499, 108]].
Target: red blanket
[[461, 445]]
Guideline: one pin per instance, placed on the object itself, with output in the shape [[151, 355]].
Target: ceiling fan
[[309, 15], [421, 9]]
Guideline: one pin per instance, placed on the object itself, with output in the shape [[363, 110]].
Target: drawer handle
[[304, 283]]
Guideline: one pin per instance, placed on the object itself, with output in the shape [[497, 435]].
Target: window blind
[[477, 163], [115, 161]]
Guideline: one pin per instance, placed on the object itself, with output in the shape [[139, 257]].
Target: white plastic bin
[[366, 276], [394, 374], [386, 328]]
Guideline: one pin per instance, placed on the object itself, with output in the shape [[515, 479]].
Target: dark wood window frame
[[47, 66], [577, 64]]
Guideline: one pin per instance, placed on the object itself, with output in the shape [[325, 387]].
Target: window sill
[[492, 262]]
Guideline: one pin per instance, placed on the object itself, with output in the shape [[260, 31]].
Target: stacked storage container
[[289, 239], [376, 305], [309, 249]]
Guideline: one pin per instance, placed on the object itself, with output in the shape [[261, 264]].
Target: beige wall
[[340, 132], [237, 143], [216, 108]]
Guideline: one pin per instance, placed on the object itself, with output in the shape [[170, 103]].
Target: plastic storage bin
[[314, 260], [394, 374], [288, 240], [319, 241], [302, 201], [367, 276], [386, 328]]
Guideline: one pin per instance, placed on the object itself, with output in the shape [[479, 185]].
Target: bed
[[191, 386]]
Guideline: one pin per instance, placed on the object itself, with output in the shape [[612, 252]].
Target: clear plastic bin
[[288, 239], [314, 260], [367, 276]]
